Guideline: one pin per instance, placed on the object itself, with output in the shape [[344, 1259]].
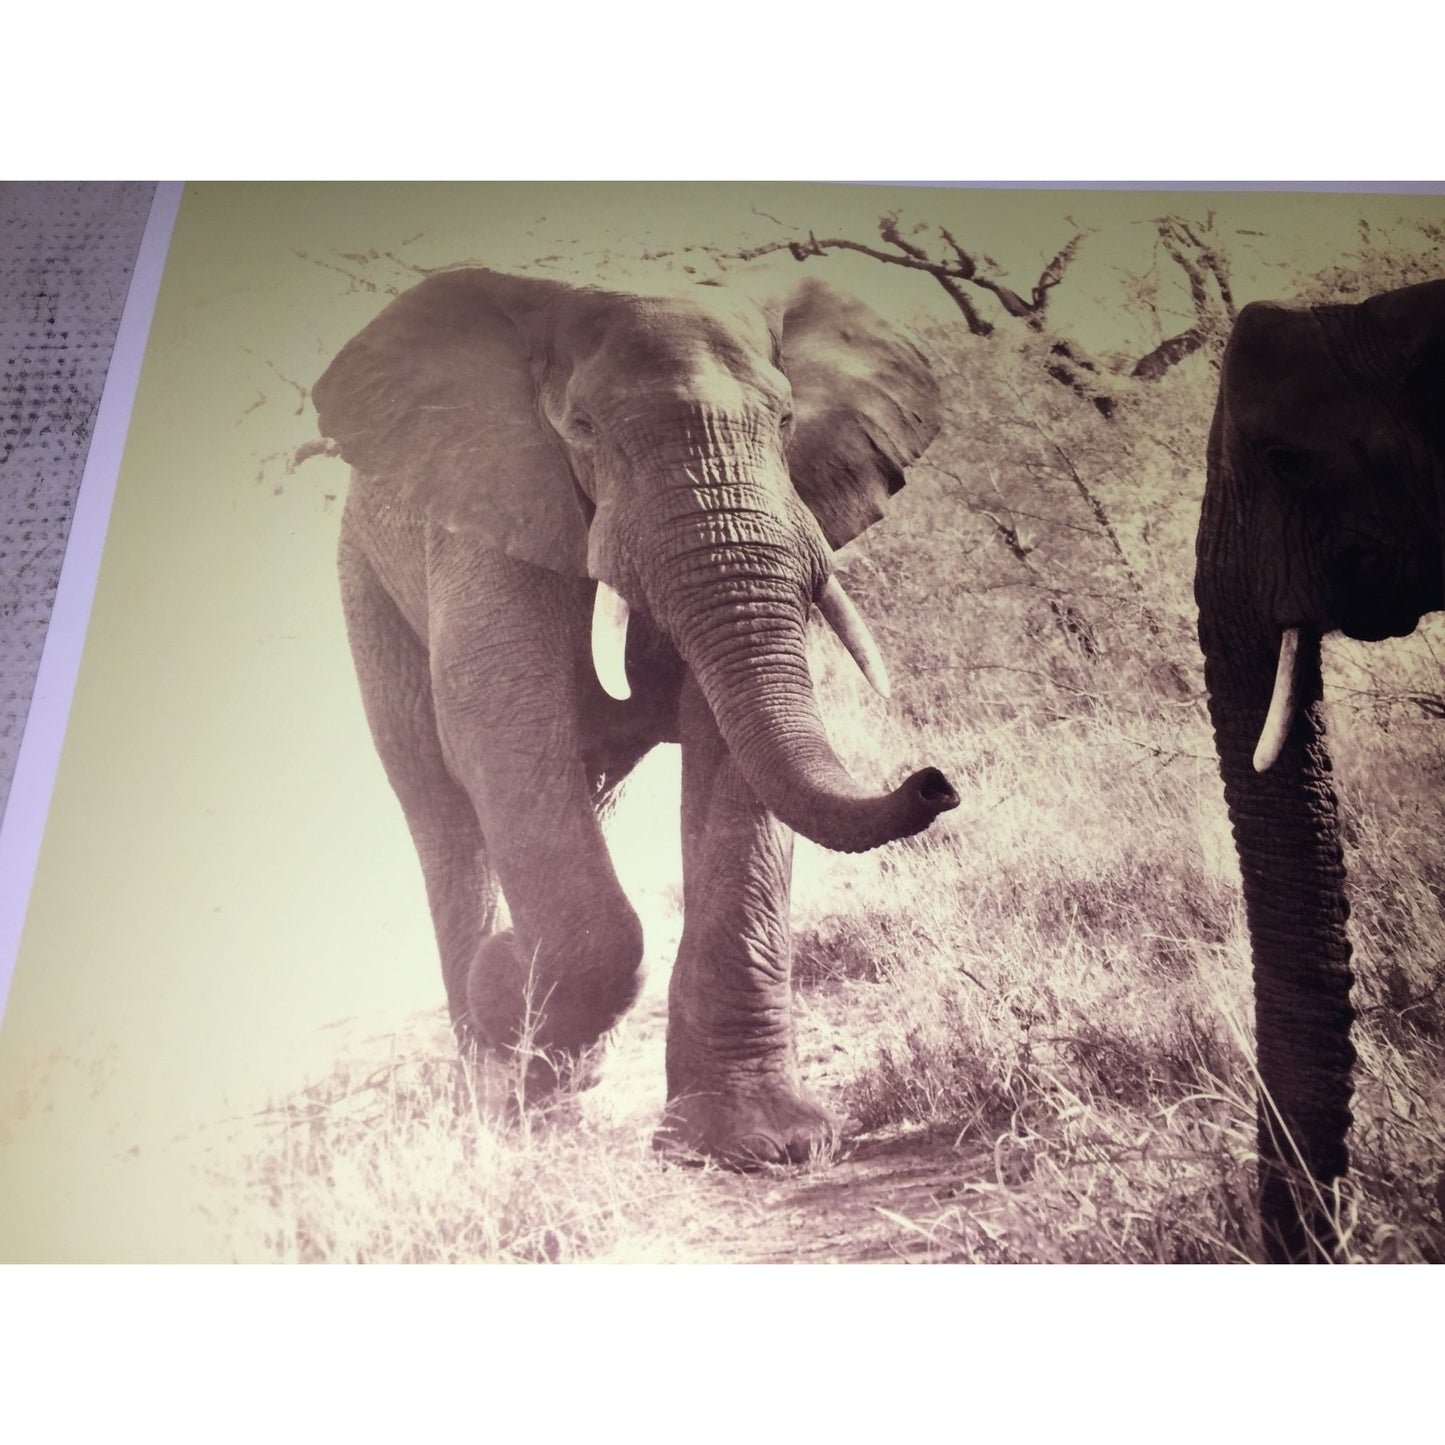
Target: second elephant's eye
[[1293, 467]]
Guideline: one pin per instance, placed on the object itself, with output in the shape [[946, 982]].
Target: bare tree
[[1193, 246]]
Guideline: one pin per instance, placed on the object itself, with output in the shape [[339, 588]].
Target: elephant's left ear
[[865, 401]]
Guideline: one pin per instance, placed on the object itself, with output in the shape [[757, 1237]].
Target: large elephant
[[1322, 513], [523, 448]]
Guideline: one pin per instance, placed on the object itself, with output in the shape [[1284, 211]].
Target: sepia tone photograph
[[755, 723]]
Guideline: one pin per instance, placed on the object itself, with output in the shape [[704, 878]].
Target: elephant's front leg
[[504, 681], [732, 1065]]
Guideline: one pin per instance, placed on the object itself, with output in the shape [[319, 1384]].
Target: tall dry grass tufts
[[422, 1161]]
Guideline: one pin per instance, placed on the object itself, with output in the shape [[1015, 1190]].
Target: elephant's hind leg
[[732, 1070], [393, 670]]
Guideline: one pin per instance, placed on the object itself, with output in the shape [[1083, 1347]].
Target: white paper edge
[[45, 723]]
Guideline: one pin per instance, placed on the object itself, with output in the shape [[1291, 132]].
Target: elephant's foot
[[746, 1126], [548, 1008], [555, 1072], [501, 1081]]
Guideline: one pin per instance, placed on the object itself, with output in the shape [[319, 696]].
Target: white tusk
[[609, 642], [1282, 703], [841, 615]]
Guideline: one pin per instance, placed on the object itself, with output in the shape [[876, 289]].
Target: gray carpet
[[66, 255]]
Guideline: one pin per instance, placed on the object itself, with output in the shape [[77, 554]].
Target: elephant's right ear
[[437, 397]]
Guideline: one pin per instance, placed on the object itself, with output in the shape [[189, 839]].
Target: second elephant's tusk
[[609, 642], [1282, 703], [841, 615]]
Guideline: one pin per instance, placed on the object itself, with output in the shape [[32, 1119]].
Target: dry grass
[[1071, 993], [1044, 1003], [414, 1164]]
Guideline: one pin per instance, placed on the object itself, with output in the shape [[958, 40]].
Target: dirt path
[[885, 1200], [896, 1196]]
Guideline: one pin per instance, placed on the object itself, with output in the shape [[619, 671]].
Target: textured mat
[[66, 255]]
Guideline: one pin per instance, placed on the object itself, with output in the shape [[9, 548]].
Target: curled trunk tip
[[909, 809], [934, 790]]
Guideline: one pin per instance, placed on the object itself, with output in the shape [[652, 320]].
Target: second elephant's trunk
[[1264, 685], [1287, 835]]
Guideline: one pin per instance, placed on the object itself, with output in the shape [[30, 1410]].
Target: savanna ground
[[1036, 1017]]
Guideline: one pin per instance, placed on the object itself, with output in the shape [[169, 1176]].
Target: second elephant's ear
[[866, 406], [437, 398], [1413, 319]]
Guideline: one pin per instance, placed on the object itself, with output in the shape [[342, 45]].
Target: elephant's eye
[[582, 425], [1291, 466], [786, 420]]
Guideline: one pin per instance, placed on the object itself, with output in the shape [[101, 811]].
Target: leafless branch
[[1428, 704], [1409, 1002], [358, 265], [1191, 246], [358, 282], [1169, 353], [959, 268], [301, 392]]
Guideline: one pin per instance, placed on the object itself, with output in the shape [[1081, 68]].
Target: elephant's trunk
[[1287, 834], [754, 674], [738, 615]]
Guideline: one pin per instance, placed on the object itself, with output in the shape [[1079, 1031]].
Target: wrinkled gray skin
[[1322, 514], [516, 439]]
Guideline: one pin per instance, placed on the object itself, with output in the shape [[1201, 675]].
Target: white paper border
[[45, 723]]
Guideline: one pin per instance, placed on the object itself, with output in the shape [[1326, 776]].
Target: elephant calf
[[1322, 513], [583, 522]]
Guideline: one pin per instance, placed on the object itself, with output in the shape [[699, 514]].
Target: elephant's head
[[1322, 513], [699, 453]]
